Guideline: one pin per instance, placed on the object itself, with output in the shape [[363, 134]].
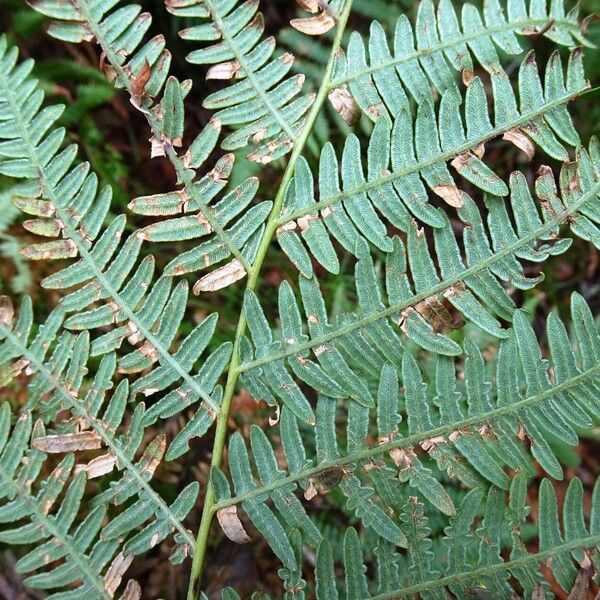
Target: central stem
[[232, 377]]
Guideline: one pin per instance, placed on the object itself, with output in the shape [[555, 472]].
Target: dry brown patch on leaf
[[225, 70], [138, 83], [97, 467], [479, 150], [432, 444], [231, 525], [222, 169], [375, 110], [403, 457], [274, 419], [314, 25], [222, 277], [322, 483], [531, 32], [450, 194], [156, 147], [580, 588], [311, 6], [345, 105], [521, 140], [152, 456], [68, 442], [467, 76], [114, 574], [305, 221], [458, 433], [435, 312], [134, 335], [267, 153], [311, 491], [486, 432], [55, 249], [289, 226], [133, 591], [107, 69]]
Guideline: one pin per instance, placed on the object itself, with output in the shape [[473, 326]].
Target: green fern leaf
[[445, 43]]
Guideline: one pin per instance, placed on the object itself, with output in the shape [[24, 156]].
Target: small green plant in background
[[327, 297]]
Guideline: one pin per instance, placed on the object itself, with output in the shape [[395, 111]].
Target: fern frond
[[473, 446], [74, 549], [359, 208], [59, 380], [482, 565], [30, 502], [488, 571], [112, 290], [265, 105], [428, 460], [144, 72], [471, 286], [445, 43]]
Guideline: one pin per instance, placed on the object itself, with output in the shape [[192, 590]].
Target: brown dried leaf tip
[[68, 442], [322, 483], [311, 6], [138, 83], [345, 105], [231, 525], [114, 575], [314, 25], [318, 25], [520, 140], [97, 467], [450, 194], [222, 277], [7, 312]]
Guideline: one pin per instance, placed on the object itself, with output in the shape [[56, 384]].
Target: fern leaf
[[357, 209], [431, 465], [473, 289], [147, 315], [265, 106], [325, 585], [445, 43], [59, 379], [485, 568], [68, 196]]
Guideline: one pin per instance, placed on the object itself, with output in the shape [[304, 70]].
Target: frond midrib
[[509, 250], [465, 38], [258, 88], [419, 165], [80, 409], [86, 256], [417, 438], [233, 374]]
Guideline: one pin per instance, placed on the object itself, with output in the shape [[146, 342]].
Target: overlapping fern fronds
[[475, 446]]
